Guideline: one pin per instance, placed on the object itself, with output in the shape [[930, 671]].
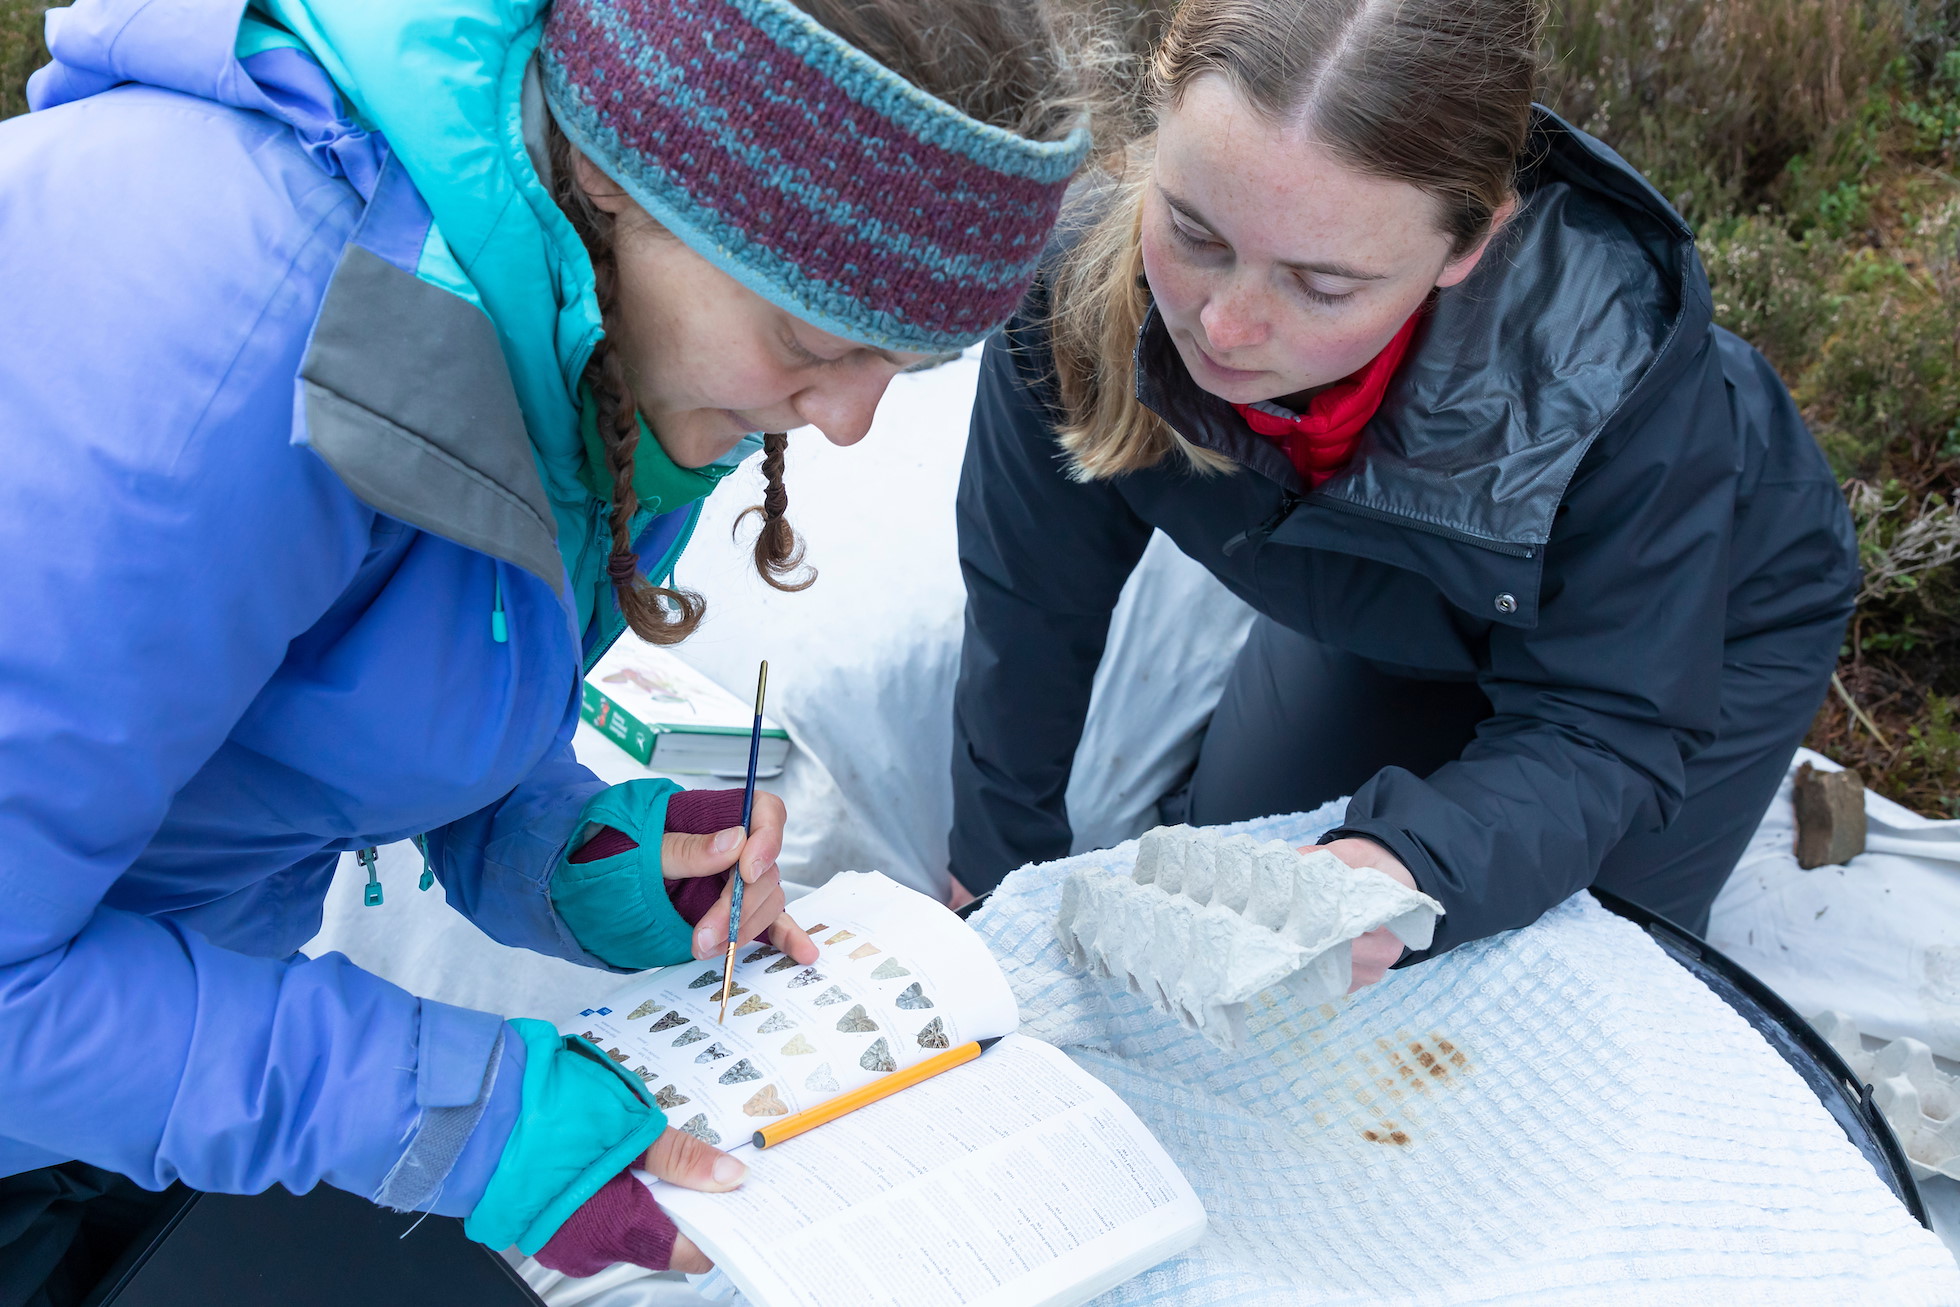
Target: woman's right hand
[[623, 1223], [697, 846]]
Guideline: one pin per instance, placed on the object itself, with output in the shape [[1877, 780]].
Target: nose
[[1234, 317], [842, 406]]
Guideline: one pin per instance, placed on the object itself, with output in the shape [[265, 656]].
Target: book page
[[899, 979], [1015, 1180]]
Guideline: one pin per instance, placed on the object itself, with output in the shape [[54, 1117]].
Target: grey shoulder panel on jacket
[[408, 398], [1519, 367]]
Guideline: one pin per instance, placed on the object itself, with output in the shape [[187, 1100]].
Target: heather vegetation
[[1815, 144]]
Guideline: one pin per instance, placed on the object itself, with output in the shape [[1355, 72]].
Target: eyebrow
[[1342, 270]]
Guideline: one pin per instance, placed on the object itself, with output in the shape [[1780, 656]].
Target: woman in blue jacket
[[336, 334], [1551, 578]]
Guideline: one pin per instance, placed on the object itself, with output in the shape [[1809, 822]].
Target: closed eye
[[803, 355], [1320, 296], [1191, 237]]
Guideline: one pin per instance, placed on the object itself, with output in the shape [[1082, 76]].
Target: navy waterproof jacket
[[1578, 493]]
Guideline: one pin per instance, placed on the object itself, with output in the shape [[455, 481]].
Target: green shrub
[[21, 51], [1883, 391], [1769, 286]]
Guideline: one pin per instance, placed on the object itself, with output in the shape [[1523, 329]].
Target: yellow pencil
[[791, 1126]]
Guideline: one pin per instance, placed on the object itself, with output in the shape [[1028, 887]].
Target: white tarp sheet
[[861, 665], [1878, 939]]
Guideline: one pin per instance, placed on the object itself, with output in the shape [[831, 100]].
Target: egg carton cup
[[1919, 1101], [1206, 921]]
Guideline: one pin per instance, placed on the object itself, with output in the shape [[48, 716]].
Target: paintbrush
[[748, 811]]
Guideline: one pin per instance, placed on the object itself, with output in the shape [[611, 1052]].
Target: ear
[[603, 191], [1460, 268]]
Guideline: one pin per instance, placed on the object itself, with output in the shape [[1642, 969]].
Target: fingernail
[[726, 841], [728, 1170], [704, 940]]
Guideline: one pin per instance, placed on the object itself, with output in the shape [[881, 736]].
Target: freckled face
[[710, 361], [1275, 267]]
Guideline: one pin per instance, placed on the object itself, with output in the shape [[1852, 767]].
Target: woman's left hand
[[684, 857], [1377, 951]]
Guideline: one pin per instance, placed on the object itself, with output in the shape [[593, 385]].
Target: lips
[[1220, 370]]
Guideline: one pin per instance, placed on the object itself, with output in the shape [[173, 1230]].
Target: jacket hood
[[437, 83], [1590, 302]]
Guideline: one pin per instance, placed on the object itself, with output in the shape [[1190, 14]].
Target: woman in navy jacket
[[1551, 576]]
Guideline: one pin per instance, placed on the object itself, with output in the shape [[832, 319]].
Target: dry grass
[[1716, 97]]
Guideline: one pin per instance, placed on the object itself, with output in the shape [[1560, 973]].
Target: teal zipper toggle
[[428, 869], [499, 625], [371, 896]]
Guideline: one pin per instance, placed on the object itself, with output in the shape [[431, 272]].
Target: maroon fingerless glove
[[690, 812], [620, 1223]]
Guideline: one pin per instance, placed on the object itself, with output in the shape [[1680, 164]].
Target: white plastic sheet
[[862, 664], [1877, 939]]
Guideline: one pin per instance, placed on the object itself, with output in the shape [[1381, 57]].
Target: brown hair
[[1434, 93], [1003, 62]]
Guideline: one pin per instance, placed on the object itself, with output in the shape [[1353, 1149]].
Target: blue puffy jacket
[[297, 561]]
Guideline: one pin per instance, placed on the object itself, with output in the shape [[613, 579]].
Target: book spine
[[615, 723]]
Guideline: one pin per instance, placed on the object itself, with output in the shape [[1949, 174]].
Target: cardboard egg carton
[[1206, 921], [1920, 1101]]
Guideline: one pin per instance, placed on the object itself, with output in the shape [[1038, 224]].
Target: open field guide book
[[1015, 1180]]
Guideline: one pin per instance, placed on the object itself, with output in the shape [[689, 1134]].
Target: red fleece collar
[[1320, 441]]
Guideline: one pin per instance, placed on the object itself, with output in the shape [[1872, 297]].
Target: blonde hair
[[1434, 93]]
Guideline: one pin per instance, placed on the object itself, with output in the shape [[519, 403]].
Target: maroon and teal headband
[[805, 169]]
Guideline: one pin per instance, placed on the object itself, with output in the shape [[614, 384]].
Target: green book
[[673, 718]]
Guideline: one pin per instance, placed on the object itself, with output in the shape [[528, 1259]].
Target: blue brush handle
[[748, 811]]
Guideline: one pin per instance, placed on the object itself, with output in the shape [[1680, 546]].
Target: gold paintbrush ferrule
[[727, 983]]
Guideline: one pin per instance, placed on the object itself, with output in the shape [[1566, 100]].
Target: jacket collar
[[1592, 300]]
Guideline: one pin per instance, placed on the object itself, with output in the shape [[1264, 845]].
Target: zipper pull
[[428, 870], [371, 896], [1258, 534], [499, 625]]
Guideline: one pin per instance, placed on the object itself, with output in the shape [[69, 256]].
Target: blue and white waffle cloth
[[1556, 1115]]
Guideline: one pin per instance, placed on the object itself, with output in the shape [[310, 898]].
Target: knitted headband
[[805, 169]]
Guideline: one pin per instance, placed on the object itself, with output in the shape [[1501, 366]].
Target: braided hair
[[778, 551], [657, 614]]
